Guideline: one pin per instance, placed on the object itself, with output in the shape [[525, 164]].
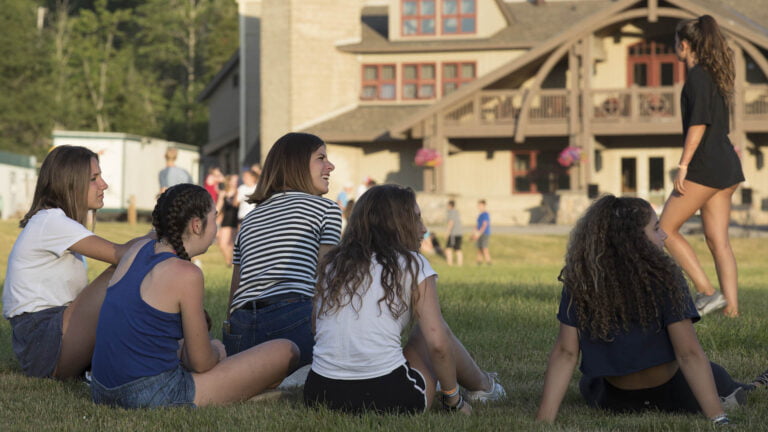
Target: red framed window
[[523, 165], [379, 82], [418, 17], [653, 64], [455, 75], [419, 81], [459, 16]]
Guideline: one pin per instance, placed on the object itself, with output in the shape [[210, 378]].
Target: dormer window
[[418, 17], [458, 16]]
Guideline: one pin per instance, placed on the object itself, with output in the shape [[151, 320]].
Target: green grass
[[504, 314]]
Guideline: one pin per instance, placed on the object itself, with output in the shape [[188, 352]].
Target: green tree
[[24, 76]]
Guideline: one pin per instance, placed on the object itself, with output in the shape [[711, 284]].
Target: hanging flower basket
[[428, 157], [569, 156]]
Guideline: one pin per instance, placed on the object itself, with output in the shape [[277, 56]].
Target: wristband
[[459, 405], [722, 419], [450, 393]]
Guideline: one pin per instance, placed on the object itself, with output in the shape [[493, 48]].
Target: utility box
[[130, 165]]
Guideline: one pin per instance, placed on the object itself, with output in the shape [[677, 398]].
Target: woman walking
[[709, 169]]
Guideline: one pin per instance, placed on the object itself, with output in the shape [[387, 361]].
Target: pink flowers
[[569, 156], [428, 157]]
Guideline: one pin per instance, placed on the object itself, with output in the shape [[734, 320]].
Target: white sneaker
[[495, 393], [709, 303]]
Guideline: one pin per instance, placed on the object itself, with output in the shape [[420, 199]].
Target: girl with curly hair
[[52, 307], [369, 289], [626, 307], [709, 169], [152, 344]]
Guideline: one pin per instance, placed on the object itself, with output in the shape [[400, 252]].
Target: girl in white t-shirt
[[52, 308], [369, 289]]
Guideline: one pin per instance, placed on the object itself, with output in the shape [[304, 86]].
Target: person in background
[[172, 175], [212, 182], [453, 242], [227, 208], [482, 233], [250, 179]]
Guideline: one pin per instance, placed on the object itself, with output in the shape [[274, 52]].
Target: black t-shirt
[[715, 162], [631, 351]]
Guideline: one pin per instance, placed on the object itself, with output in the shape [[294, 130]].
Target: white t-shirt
[[364, 344], [42, 273], [243, 192]]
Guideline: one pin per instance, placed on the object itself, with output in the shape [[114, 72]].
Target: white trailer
[[18, 175], [130, 165]]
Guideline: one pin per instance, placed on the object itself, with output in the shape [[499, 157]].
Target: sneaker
[[496, 393], [709, 303], [761, 380], [735, 399]]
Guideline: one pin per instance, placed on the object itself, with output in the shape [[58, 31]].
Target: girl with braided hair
[[709, 169], [152, 343], [626, 307], [52, 307]]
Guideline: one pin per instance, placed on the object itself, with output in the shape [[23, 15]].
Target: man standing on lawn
[[482, 233], [453, 244]]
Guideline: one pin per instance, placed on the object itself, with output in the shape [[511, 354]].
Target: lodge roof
[[528, 24], [363, 123]]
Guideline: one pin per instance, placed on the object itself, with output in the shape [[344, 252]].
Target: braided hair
[[175, 208]]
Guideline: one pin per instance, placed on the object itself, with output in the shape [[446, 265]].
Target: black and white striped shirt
[[278, 244]]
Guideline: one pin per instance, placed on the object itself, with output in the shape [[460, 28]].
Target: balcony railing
[[636, 105]]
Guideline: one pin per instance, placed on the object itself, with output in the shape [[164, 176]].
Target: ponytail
[[711, 50]]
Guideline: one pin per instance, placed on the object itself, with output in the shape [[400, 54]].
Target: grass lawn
[[504, 314]]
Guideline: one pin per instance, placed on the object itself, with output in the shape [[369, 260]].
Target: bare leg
[[226, 243], [79, 327], [468, 373], [459, 258], [487, 255], [716, 215], [677, 210], [449, 255], [246, 374]]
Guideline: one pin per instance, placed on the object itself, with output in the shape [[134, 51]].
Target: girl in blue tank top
[[152, 344], [627, 310]]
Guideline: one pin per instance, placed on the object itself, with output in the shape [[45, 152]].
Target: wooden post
[[132, 210]]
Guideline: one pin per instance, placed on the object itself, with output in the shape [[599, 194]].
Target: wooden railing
[[634, 105]]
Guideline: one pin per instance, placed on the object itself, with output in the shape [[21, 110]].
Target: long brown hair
[[615, 275], [711, 50], [63, 183], [287, 167], [384, 224]]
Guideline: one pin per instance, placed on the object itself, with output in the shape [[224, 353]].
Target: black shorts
[[402, 391], [454, 242]]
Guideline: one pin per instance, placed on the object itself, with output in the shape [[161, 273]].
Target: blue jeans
[[282, 320], [174, 387]]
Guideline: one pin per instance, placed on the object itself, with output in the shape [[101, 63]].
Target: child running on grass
[[152, 344], [369, 289], [626, 308]]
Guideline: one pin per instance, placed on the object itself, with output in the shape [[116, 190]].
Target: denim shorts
[[282, 320], [402, 391], [36, 340], [172, 388]]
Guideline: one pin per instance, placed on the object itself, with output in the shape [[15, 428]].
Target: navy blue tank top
[[133, 339]]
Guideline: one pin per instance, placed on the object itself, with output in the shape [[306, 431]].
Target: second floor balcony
[[632, 111]]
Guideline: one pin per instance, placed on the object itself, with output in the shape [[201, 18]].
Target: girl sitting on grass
[[626, 307], [52, 307], [152, 344], [369, 289]]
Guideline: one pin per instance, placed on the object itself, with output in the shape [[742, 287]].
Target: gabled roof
[[733, 19], [527, 25], [230, 65], [363, 124]]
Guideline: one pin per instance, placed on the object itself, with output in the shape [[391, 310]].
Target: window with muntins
[[379, 82], [419, 17], [419, 81], [455, 75], [458, 16]]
